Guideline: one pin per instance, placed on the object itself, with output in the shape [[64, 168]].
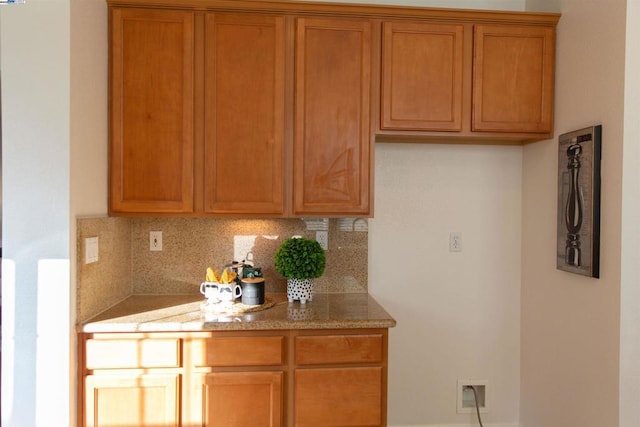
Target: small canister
[[252, 290]]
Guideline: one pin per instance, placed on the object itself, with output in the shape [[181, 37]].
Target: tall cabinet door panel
[[513, 78], [332, 142], [244, 113], [422, 65], [151, 134]]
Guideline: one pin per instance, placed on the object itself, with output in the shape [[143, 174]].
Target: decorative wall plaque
[[579, 201]]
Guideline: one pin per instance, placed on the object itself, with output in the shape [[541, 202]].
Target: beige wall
[[88, 133], [570, 324], [630, 280], [89, 107], [458, 314]]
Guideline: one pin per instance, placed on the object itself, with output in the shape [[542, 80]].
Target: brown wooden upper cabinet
[[271, 108], [165, 159], [466, 80], [201, 103], [332, 143], [513, 74], [151, 111], [244, 104], [422, 71]]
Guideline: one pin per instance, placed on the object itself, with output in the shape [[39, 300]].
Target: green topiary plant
[[300, 258]]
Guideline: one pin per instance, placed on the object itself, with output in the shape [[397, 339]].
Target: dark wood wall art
[[579, 201]]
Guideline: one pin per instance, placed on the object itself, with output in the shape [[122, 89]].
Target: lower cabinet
[[234, 378], [132, 400], [340, 378], [338, 397], [240, 399]]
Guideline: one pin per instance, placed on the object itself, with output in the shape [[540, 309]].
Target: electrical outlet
[[155, 241], [322, 237], [467, 398], [455, 241]]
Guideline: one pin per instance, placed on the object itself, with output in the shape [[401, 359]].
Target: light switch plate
[[455, 241], [90, 250]]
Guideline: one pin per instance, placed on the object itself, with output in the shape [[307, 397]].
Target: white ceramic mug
[[210, 291], [228, 292]]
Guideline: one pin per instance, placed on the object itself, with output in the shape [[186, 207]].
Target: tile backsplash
[[126, 266], [103, 283]]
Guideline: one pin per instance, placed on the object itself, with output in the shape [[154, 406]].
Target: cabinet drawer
[[238, 351], [312, 350], [133, 353]]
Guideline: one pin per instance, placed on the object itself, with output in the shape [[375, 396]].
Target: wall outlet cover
[[466, 398], [322, 237], [155, 241]]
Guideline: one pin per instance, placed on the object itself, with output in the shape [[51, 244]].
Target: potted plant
[[300, 260]]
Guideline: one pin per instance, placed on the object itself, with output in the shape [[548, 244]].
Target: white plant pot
[[300, 289]]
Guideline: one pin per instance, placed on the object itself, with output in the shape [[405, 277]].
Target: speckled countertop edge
[[169, 313]]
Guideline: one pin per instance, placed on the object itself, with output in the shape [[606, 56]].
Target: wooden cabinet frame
[[293, 375], [415, 53], [496, 86], [151, 110], [244, 113], [520, 58], [335, 59], [248, 144]]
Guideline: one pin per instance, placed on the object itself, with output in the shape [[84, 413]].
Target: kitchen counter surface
[[159, 313]]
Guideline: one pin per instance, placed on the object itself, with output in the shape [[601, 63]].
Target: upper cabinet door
[[244, 114], [151, 111], [332, 142], [513, 74], [422, 82]]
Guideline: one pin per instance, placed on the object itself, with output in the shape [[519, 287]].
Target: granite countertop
[[159, 313]]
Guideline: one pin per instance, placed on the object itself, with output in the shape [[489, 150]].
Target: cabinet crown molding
[[353, 9]]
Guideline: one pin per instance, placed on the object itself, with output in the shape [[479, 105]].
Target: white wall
[[54, 80], [89, 133], [570, 323], [458, 313], [36, 352]]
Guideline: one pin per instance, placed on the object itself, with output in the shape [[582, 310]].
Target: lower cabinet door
[[241, 399], [339, 397], [132, 400]]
